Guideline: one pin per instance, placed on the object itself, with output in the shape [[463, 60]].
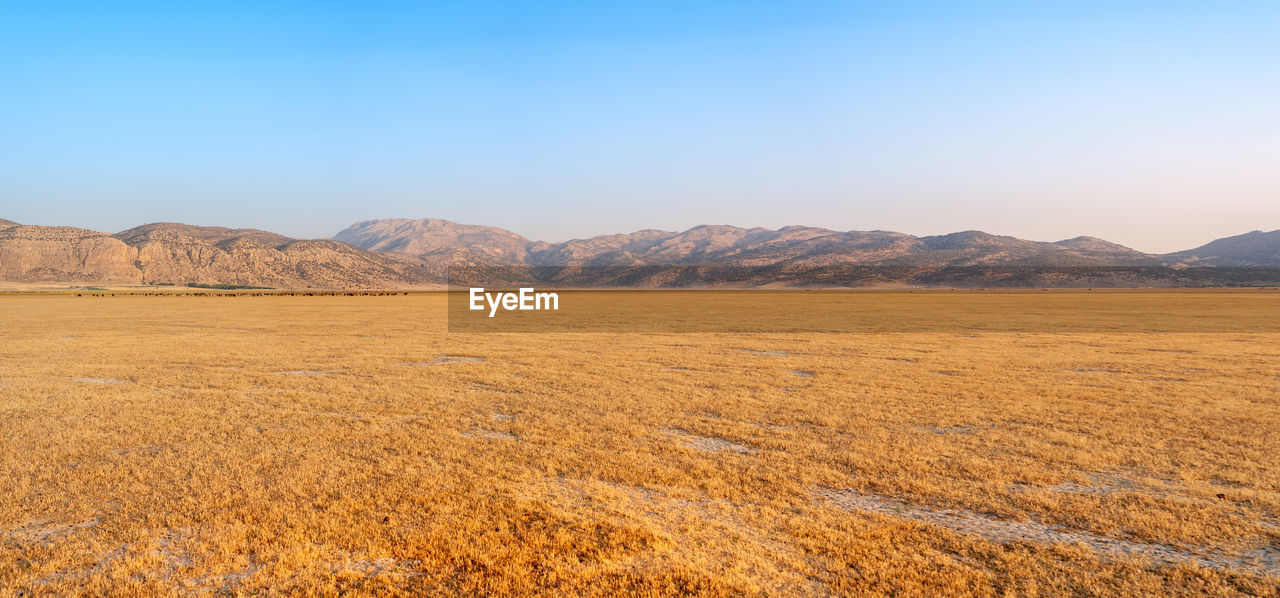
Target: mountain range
[[402, 253]]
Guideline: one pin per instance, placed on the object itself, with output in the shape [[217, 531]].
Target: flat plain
[[248, 445]]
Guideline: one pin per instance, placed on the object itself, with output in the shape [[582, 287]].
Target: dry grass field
[[326, 445]]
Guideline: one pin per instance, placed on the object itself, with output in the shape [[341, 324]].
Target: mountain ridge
[[798, 245], [175, 253], [1254, 248], [407, 253]]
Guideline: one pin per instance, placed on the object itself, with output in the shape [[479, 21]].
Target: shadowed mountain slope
[[1255, 248]]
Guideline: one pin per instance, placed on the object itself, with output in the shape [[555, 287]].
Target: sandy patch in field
[[80, 575], [491, 435], [1098, 484], [349, 564], [1262, 560], [150, 449], [458, 359], [946, 430], [706, 444], [45, 531], [101, 381], [693, 528], [223, 584], [445, 359]]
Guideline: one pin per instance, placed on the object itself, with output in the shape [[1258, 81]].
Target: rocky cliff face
[[61, 253], [214, 255], [184, 254]]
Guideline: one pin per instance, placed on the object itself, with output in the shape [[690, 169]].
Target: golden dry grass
[[324, 445]]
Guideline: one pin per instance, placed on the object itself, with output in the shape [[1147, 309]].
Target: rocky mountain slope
[[437, 239], [790, 256], [212, 234], [184, 254], [62, 253], [732, 246]]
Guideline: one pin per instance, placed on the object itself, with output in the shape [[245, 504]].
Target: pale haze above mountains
[[403, 253]]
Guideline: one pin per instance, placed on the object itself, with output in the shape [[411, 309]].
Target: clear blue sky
[[1153, 124]]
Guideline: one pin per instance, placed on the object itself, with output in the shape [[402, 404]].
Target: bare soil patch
[[1264, 559]]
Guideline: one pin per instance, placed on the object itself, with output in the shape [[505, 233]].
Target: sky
[[1151, 124]]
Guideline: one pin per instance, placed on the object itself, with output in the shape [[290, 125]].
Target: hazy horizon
[[1148, 124]]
